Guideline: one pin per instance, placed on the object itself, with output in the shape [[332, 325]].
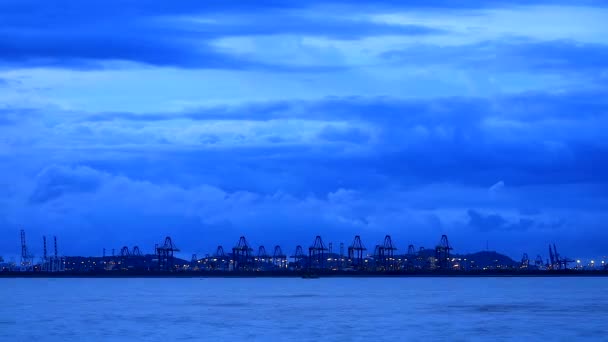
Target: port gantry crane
[[27, 260], [355, 253], [194, 262], [298, 258], [262, 257], [411, 258], [384, 255], [525, 261], [316, 253], [557, 262], [442, 253], [341, 263], [317, 258], [219, 259], [389, 253], [45, 258], [330, 255], [538, 262], [553, 258], [241, 255], [219, 252], [57, 264], [279, 258], [378, 258], [124, 252], [131, 258], [164, 253]]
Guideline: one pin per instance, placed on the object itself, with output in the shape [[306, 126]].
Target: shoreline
[[305, 274]]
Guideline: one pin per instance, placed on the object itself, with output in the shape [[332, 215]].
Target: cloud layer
[[122, 123]]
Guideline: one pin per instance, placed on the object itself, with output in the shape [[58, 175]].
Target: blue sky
[[121, 123]]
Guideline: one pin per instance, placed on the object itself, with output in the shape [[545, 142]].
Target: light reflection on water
[[272, 309]]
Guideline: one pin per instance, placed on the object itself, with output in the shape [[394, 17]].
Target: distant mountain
[[488, 259]]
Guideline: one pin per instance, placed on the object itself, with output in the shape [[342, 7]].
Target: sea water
[[294, 309]]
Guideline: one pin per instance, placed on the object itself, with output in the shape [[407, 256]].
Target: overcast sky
[[281, 120]]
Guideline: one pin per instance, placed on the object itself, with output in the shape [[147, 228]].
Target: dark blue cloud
[[84, 35], [509, 55], [492, 222], [522, 139], [447, 4], [298, 25], [56, 181], [68, 8], [354, 135], [83, 203], [456, 110], [545, 139], [80, 50], [284, 171], [14, 115]]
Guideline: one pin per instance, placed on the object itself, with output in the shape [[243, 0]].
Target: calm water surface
[[348, 309]]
